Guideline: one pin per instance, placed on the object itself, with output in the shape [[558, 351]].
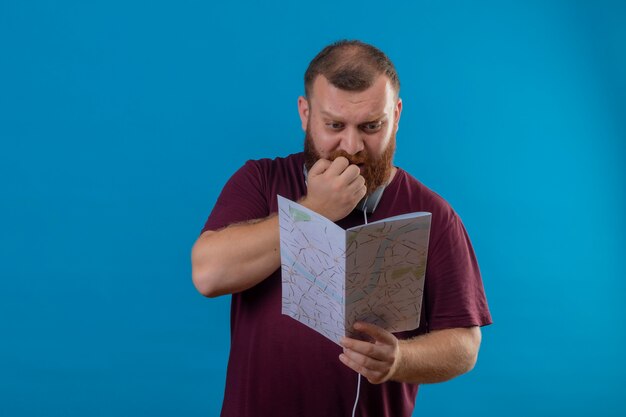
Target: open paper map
[[333, 277]]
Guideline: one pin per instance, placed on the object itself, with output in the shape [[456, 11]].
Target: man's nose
[[352, 142]]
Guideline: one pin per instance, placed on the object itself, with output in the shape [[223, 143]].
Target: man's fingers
[[366, 361], [338, 166], [369, 349], [359, 186], [374, 377], [375, 360], [319, 167], [334, 188], [375, 332], [351, 173]]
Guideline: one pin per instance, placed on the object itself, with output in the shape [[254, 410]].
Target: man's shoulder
[[280, 165], [278, 161], [419, 194], [408, 181], [275, 174]]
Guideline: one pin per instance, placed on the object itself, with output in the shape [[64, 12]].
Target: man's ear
[[303, 110], [397, 111]]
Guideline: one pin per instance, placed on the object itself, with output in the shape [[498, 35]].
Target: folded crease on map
[[332, 278]]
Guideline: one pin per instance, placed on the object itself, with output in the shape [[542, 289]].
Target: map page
[[333, 277]]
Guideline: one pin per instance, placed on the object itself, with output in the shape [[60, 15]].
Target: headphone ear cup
[[369, 203]]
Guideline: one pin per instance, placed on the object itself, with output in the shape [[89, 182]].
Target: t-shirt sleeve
[[243, 198], [454, 290]]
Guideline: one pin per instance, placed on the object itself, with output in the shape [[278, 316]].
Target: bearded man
[[278, 366]]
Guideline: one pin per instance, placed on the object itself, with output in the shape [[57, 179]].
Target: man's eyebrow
[[330, 115], [375, 117]]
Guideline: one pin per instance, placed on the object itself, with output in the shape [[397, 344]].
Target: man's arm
[[240, 256], [433, 357], [235, 258]]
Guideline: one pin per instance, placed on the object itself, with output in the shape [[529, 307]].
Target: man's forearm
[[240, 256], [235, 258], [437, 356]]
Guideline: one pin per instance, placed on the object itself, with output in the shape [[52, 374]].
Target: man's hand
[[376, 360], [437, 356], [334, 188]]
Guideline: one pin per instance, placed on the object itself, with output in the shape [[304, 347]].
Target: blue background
[[121, 121]]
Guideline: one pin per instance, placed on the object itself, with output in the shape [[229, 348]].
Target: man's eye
[[334, 125], [372, 127]]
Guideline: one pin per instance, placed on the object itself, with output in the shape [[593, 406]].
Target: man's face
[[360, 126]]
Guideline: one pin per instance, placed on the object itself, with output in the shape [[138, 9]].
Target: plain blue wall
[[121, 121]]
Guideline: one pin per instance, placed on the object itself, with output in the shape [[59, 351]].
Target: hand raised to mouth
[[334, 188]]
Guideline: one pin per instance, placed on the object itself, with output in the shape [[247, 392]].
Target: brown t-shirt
[[280, 367]]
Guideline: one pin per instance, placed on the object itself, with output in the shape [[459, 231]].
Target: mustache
[[356, 159]]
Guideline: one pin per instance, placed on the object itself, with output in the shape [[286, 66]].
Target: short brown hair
[[350, 65]]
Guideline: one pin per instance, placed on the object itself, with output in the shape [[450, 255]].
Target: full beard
[[376, 170]]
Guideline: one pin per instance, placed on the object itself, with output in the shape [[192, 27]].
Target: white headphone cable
[[358, 385], [358, 390]]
